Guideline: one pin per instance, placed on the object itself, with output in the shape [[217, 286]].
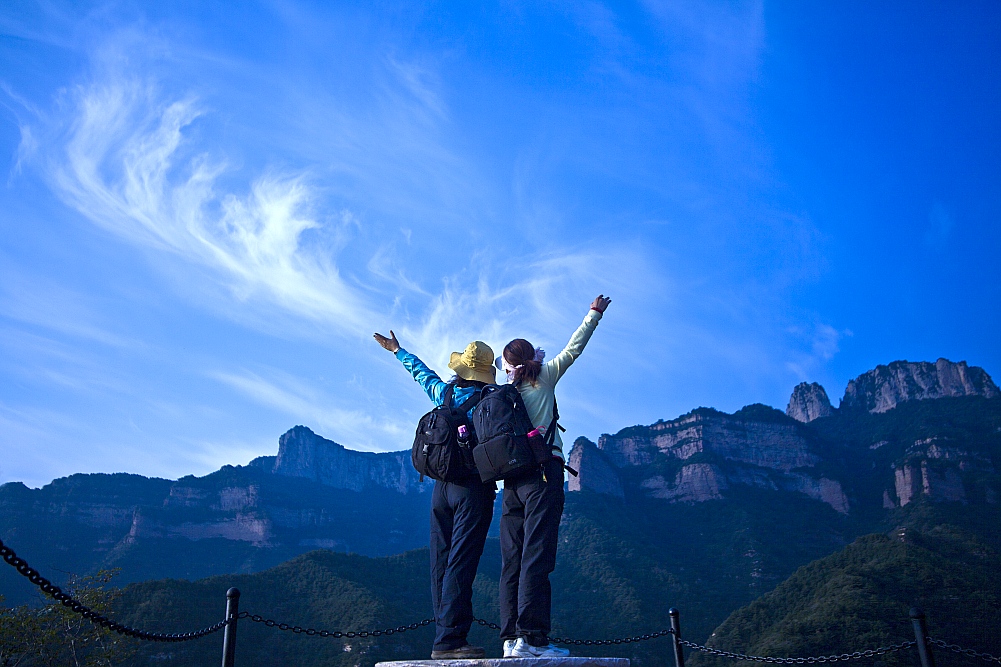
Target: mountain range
[[708, 512]]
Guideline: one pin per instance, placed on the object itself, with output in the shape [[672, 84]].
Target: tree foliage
[[52, 635]]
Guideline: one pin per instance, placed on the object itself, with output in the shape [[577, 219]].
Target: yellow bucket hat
[[476, 362]]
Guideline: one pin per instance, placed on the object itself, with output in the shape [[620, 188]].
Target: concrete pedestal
[[572, 661]]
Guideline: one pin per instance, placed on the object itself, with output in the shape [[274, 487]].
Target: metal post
[[921, 637], [679, 657], [229, 634]]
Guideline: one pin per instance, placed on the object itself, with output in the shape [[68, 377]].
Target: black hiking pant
[[529, 529], [460, 516]]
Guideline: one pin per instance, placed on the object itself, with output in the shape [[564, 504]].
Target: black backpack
[[437, 452], [501, 423]]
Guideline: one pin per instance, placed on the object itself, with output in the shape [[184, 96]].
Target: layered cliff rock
[[884, 387], [809, 401], [601, 477], [934, 468], [758, 435], [709, 452], [302, 453], [313, 494]]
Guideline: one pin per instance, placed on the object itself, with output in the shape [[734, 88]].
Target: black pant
[[528, 536], [460, 517]]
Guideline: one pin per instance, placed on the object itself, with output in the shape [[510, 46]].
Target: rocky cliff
[[302, 453], [701, 455], [809, 401], [935, 468], [313, 494], [757, 435], [884, 387], [601, 477]]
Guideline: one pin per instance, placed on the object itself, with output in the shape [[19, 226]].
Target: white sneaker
[[522, 649], [509, 648]]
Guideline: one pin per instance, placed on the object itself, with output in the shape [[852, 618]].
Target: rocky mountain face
[[701, 455], [904, 431], [808, 402], [313, 494], [302, 453], [884, 387], [602, 476], [945, 468]]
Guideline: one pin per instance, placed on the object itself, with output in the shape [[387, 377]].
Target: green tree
[[53, 635]]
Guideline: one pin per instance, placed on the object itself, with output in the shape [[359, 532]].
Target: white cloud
[[542, 299], [824, 341], [125, 166], [307, 405]]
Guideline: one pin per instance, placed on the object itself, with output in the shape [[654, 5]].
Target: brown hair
[[520, 352]]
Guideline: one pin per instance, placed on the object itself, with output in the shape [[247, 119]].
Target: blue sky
[[206, 211]]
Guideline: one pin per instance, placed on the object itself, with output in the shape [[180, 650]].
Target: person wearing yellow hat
[[460, 510]]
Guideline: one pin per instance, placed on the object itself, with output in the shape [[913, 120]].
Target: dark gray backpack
[[437, 451], [501, 423]]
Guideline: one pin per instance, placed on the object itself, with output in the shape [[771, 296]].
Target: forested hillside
[[859, 599]]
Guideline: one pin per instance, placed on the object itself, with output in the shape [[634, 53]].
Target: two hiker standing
[[461, 508]]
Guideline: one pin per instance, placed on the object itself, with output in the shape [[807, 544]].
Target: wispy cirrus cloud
[[126, 166], [297, 399]]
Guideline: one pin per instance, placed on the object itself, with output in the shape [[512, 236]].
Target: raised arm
[[557, 366], [429, 381]]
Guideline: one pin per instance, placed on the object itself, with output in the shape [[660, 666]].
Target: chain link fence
[[310, 632], [968, 652], [843, 657], [50, 589], [57, 593]]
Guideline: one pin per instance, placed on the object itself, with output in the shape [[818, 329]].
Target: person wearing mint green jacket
[[461, 510], [533, 501]]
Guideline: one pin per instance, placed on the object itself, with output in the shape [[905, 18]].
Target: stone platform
[[571, 661]]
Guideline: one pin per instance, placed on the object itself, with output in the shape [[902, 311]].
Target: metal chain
[[955, 648], [78, 607], [590, 642], [844, 657], [310, 632], [609, 642]]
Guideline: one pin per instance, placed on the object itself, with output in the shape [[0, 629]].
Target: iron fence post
[[679, 657], [921, 637], [229, 634]]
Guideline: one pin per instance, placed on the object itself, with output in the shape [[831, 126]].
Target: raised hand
[[390, 343], [600, 303]]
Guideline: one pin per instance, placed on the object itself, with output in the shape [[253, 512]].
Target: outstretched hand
[[600, 303], [390, 343]]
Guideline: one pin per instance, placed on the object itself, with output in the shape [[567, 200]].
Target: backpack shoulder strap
[[469, 403], [449, 396], [553, 425]]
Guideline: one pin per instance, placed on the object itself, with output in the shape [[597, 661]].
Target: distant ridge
[[886, 386], [302, 453], [315, 494]]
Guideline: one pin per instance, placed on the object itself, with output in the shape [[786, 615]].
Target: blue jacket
[[429, 381]]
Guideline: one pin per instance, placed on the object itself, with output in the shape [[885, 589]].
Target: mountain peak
[[597, 471], [809, 401], [882, 388], [302, 453]]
